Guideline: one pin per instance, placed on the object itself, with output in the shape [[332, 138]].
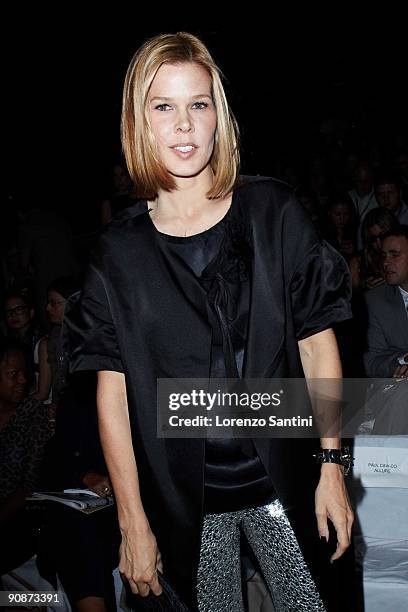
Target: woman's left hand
[[332, 502]]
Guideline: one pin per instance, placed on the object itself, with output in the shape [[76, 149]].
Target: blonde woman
[[208, 274]]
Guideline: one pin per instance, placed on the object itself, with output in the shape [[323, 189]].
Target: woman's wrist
[[135, 520], [337, 456], [138, 528], [331, 472]]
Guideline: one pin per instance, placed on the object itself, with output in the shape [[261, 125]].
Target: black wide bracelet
[[334, 455]]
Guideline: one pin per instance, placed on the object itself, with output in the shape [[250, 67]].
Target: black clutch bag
[[168, 601]]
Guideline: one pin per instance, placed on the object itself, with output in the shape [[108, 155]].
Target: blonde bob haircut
[[148, 173]]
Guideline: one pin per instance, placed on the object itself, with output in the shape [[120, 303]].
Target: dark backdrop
[[285, 76]]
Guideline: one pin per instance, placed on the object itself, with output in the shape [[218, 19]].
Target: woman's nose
[[184, 122], [22, 378]]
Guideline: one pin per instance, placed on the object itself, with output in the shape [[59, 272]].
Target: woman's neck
[[187, 211], [20, 333], [188, 200]]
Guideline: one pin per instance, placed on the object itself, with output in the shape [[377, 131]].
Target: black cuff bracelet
[[334, 455]]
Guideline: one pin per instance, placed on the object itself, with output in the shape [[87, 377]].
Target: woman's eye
[[200, 105], [162, 107]]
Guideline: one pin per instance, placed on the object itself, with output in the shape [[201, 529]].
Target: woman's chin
[[189, 172]]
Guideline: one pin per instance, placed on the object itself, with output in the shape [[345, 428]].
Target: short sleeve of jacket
[[89, 331], [320, 284]]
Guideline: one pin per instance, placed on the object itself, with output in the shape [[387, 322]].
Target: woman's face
[[13, 378], [375, 237], [339, 215], [183, 118], [55, 307], [18, 315]]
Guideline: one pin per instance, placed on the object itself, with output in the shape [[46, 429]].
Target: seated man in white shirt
[[387, 305], [389, 195], [363, 193]]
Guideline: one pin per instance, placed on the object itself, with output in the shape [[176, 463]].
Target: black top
[[134, 317], [234, 475]]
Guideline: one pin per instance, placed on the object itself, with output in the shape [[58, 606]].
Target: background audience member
[[389, 195], [375, 226], [387, 305], [20, 323], [58, 293], [340, 226], [362, 193], [24, 432]]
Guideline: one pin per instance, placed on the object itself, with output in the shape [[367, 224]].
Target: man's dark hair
[[64, 285], [398, 232], [386, 177]]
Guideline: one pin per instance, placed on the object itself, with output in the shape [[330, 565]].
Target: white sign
[[385, 465]]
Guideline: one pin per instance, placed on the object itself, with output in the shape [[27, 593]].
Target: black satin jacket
[[134, 317]]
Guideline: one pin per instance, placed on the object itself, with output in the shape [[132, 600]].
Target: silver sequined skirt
[[274, 544]]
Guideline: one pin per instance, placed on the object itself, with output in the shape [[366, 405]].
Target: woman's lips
[[184, 151]]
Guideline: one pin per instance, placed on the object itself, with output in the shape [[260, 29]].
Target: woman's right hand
[[140, 560], [374, 281]]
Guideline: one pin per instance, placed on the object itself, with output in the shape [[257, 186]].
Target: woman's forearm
[[45, 377], [322, 368], [116, 440]]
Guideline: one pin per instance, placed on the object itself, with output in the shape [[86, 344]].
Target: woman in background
[[340, 227], [24, 433], [20, 320]]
